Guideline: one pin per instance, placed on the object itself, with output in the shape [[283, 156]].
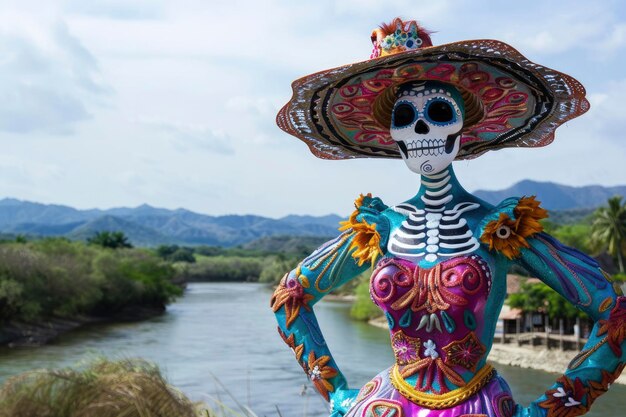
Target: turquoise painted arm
[[578, 278], [329, 267]]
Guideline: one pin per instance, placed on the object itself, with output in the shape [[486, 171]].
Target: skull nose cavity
[[421, 127]]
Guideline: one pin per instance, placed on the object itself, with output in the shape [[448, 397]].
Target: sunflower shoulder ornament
[[440, 258]]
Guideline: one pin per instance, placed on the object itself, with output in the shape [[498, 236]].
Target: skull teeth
[[425, 147]]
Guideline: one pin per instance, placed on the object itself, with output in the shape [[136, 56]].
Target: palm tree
[[113, 240], [609, 229]]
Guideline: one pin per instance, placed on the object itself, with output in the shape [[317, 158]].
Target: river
[[227, 333]]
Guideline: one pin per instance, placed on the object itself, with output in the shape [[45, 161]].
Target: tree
[[608, 229], [113, 240], [538, 297], [165, 251], [182, 255]]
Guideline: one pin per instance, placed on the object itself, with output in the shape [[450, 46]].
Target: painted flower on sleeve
[[567, 399], [597, 388], [320, 372], [615, 326], [291, 342], [290, 293]]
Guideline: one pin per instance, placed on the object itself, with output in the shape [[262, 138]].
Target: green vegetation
[[363, 307], [223, 268], [603, 230], [105, 388], [130, 388], [56, 277], [575, 235], [113, 240], [538, 297], [265, 260], [175, 253], [609, 229]]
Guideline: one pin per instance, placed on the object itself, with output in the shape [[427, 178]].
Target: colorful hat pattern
[[345, 112]]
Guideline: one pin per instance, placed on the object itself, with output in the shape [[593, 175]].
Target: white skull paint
[[426, 124]]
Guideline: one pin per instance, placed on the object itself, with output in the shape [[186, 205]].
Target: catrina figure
[[440, 258]]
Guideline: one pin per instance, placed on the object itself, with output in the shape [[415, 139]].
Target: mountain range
[[150, 226], [556, 196]]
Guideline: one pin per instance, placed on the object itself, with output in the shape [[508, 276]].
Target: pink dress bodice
[[436, 317]]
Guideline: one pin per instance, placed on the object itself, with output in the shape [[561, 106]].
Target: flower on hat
[[399, 36]]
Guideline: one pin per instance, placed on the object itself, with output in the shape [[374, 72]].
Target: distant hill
[[288, 245], [556, 196], [150, 226]]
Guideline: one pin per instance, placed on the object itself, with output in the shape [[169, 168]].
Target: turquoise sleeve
[[329, 267], [578, 278]]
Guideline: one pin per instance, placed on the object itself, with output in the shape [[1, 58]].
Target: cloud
[[259, 114], [606, 116], [189, 138], [47, 77], [197, 85], [613, 41], [118, 9]]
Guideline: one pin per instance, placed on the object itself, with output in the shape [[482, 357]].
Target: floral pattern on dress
[[430, 368], [466, 352], [405, 348]]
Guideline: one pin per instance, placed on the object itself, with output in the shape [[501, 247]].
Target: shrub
[[363, 307], [224, 268], [56, 277], [131, 388]]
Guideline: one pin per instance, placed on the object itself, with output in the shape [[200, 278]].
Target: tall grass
[[124, 388], [105, 388]]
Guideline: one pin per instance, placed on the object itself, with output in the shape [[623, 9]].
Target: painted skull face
[[426, 124]]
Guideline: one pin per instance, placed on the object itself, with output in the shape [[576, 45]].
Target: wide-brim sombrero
[[333, 111]]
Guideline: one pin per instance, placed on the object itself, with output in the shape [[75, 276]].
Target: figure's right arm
[[332, 265]]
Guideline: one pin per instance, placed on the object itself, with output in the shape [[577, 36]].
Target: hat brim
[[332, 111]]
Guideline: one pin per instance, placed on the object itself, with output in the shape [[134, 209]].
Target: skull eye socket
[[440, 111], [403, 115]]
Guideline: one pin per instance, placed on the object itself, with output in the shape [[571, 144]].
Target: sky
[[172, 103]]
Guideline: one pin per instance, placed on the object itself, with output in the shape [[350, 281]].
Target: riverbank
[[23, 334], [529, 357]]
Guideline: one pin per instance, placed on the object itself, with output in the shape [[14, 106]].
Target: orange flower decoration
[[365, 238], [596, 389], [566, 400], [291, 342], [527, 215], [508, 236], [319, 373], [290, 293], [615, 326]]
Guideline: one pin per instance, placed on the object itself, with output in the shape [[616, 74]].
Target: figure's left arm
[[579, 279]]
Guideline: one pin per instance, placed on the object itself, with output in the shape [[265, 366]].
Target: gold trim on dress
[[446, 400]]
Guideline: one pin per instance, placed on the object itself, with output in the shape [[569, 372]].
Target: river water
[[220, 340]]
